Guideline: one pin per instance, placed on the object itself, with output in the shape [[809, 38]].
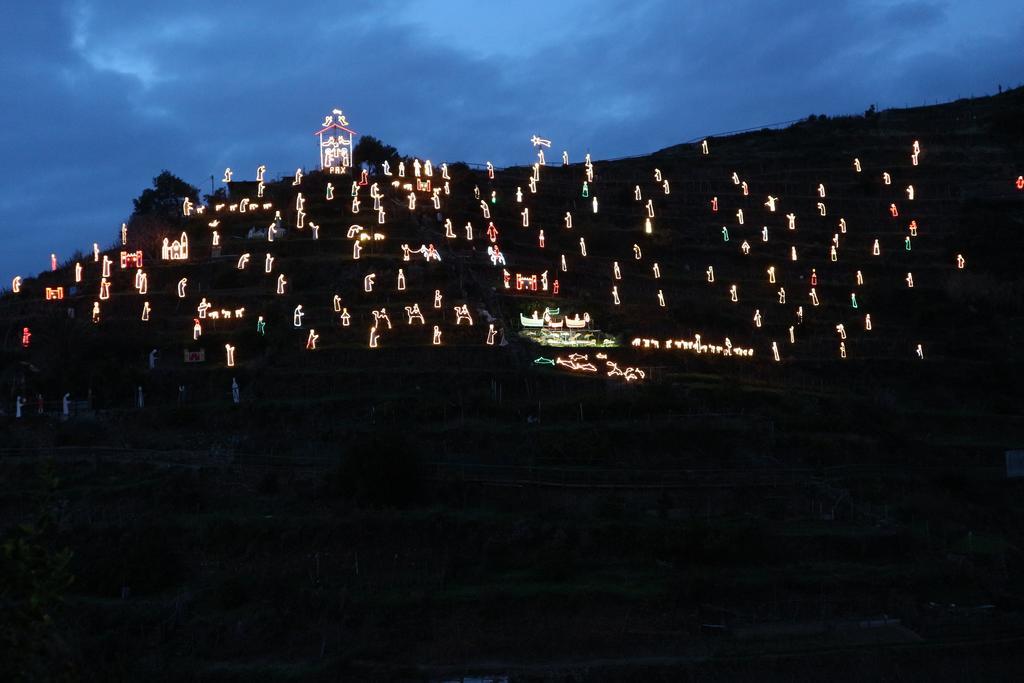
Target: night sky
[[99, 97]]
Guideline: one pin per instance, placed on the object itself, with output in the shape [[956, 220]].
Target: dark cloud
[[101, 96]]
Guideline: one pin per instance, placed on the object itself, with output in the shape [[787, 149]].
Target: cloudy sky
[[99, 96]]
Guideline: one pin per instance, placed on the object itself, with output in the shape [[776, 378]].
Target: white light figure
[[437, 298], [300, 219], [95, 252], [913, 159], [141, 281], [782, 295], [833, 253], [814, 296], [913, 228], [95, 311], [919, 351], [380, 216], [800, 314], [594, 202], [792, 335], [867, 322], [739, 216], [565, 268], [106, 266], [485, 210], [734, 294], [657, 271], [311, 340], [182, 283], [78, 272], [886, 178], [268, 264], [462, 314], [735, 178], [197, 329], [145, 310], [650, 208], [757, 317], [615, 294], [346, 319], [297, 315], [540, 239], [368, 282], [792, 253], [386, 168], [842, 349], [960, 262], [764, 233], [281, 282], [636, 193], [437, 336], [401, 280], [842, 225], [414, 314], [771, 275], [469, 231], [16, 284], [533, 186], [616, 271], [856, 164], [435, 198], [298, 177], [583, 247], [406, 252], [411, 199], [491, 334], [775, 351], [745, 247], [841, 331], [216, 238], [860, 278], [704, 147], [565, 157], [821, 209], [661, 299], [259, 189], [490, 170], [910, 192], [637, 254], [725, 234], [745, 187], [876, 249], [910, 280], [711, 273], [229, 351], [791, 217], [104, 289], [203, 307]]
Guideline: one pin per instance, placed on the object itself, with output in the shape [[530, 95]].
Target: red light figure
[[26, 336]]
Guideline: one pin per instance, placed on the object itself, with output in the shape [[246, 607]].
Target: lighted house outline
[[335, 149]]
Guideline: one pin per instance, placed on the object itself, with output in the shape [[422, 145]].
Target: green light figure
[[906, 243], [586, 189], [541, 360], [853, 299], [725, 234], [261, 326]]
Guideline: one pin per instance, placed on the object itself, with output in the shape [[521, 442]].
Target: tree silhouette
[[165, 197], [374, 152]]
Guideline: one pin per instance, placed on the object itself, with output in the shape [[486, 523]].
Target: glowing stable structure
[[335, 148]]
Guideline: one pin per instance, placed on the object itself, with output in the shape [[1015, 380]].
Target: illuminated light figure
[[842, 349], [735, 178], [437, 298], [792, 335], [26, 335], [910, 193], [764, 233], [300, 202], [876, 249], [711, 273], [380, 216], [913, 159], [841, 331], [271, 231], [78, 272], [95, 252], [368, 282], [448, 229], [704, 147], [259, 189], [910, 280], [229, 352], [316, 230], [414, 313], [650, 208], [525, 213], [782, 295], [216, 238], [594, 202], [141, 281], [106, 266], [960, 262], [1020, 182], [490, 170], [616, 271], [337, 303], [745, 247], [800, 314], [268, 263], [437, 336], [856, 164], [496, 255], [814, 296], [462, 313], [757, 317], [469, 232], [637, 254], [733, 294], [401, 280], [373, 337], [281, 282], [311, 340], [182, 283], [540, 239], [916, 147], [416, 167], [615, 294], [586, 190], [886, 178], [661, 299], [739, 216], [725, 234], [428, 169], [197, 329], [791, 217], [565, 268], [746, 188], [435, 197], [919, 351], [565, 157], [775, 351], [533, 186], [492, 233], [300, 219], [145, 310], [491, 334], [664, 187], [821, 208], [386, 168], [16, 284], [412, 201], [261, 326], [406, 253], [906, 243], [913, 228], [792, 253], [771, 203], [821, 190], [95, 311], [867, 322], [203, 307], [771, 275], [583, 247], [346, 319], [485, 210], [860, 278], [648, 228], [714, 203], [636, 193], [298, 177], [833, 253], [842, 225], [297, 315]]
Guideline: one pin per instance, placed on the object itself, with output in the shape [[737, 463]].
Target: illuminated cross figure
[[910, 280], [268, 264], [281, 282], [197, 329], [960, 262], [757, 317], [910, 192], [615, 294], [919, 351], [711, 273], [298, 177], [462, 314], [814, 296], [867, 322], [182, 283], [78, 272], [491, 334], [782, 295], [733, 294], [227, 175], [311, 340], [414, 314], [297, 315], [229, 352], [437, 336], [145, 310], [401, 280], [346, 319], [336, 143]]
